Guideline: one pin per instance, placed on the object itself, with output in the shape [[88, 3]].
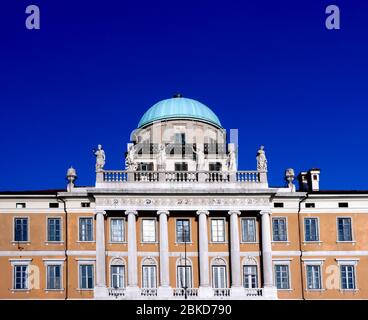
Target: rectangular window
[[278, 204], [149, 277], [343, 205], [344, 229], [118, 277], [219, 277], [184, 277], [282, 276], [85, 204], [279, 229], [53, 229], [248, 229], [85, 229], [148, 230], [250, 277], [217, 230], [53, 205], [53, 277], [86, 276], [313, 277], [180, 138], [21, 277], [347, 277], [20, 205], [117, 230], [310, 205], [21, 229], [182, 230], [311, 229]]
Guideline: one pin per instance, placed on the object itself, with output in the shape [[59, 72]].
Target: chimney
[[309, 180]]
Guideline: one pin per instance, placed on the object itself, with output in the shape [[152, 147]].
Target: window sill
[[183, 243], [286, 290], [20, 290], [281, 242], [314, 290], [349, 290], [250, 242], [54, 242], [53, 290], [149, 242], [349, 241], [79, 289], [118, 242], [92, 241], [312, 242], [218, 242], [21, 242]]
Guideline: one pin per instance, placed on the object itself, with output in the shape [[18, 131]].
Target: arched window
[[117, 273], [184, 278], [149, 273], [250, 273], [219, 278]]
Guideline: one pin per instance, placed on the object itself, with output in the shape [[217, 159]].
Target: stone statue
[[289, 177], [261, 159], [130, 163], [201, 161], [232, 160], [161, 157], [100, 158]]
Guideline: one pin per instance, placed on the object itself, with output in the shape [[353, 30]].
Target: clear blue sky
[[269, 68]]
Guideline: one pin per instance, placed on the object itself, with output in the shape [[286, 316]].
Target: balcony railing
[[116, 292], [254, 292], [190, 292], [149, 292], [116, 176]]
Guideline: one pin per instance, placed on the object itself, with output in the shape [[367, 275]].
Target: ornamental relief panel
[[147, 202]]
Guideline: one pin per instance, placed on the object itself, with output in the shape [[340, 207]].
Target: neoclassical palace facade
[[181, 221]]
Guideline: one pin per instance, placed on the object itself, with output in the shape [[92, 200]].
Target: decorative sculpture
[[261, 159], [71, 176], [161, 157], [232, 158], [100, 158], [289, 177], [130, 163], [201, 160]]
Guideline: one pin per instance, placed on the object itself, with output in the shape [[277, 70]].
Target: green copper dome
[[179, 107]]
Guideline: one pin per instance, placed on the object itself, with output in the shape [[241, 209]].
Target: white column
[[164, 289], [204, 278], [132, 288], [269, 289], [100, 290], [235, 252]]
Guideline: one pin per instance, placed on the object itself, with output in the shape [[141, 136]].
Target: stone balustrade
[[116, 176]]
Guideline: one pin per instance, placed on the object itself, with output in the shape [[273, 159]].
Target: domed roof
[[179, 107]]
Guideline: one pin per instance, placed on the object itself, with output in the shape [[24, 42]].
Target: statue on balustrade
[[261, 159], [100, 158], [231, 158], [201, 160], [289, 177], [130, 163], [161, 157]]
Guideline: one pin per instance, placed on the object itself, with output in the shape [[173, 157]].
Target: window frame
[[282, 263], [79, 228], [318, 230], [154, 266], [28, 229], [256, 275], [346, 265], [86, 263], [351, 229], [47, 229], [211, 231], [255, 229], [26, 265], [190, 231], [286, 229], [156, 234], [121, 265], [123, 228], [178, 275]]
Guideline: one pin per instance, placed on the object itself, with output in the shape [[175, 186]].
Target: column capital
[[231, 212], [265, 212], [206, 212], [103, 212], [159, 212], [135, 212]]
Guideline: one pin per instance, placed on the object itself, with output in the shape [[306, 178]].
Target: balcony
[[122, 176]]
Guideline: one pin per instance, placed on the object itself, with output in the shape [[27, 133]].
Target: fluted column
[[269, 289], [100, 289], [132, 254], [204, 277], [235, 250], [164, 288]]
